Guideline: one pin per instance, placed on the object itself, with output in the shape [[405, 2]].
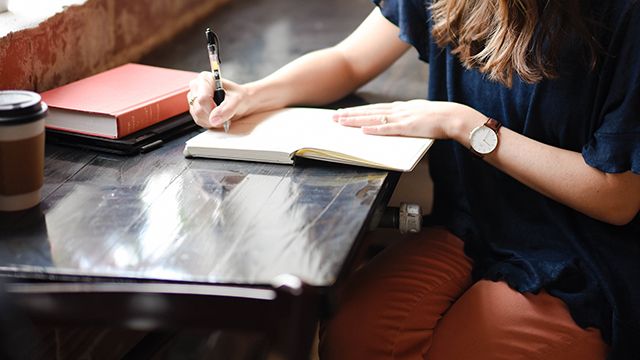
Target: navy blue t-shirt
[[514, 233]]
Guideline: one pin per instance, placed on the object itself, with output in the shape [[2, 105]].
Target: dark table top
[[159, 216]]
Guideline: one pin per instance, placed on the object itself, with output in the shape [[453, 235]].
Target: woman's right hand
[[205, 112]]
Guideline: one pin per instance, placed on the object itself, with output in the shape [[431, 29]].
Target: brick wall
[[89, 38]]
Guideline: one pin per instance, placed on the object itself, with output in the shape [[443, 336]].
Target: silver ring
[[192, 99], [384, 119]]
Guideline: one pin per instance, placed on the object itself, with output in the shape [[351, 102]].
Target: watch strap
[[493, 124]]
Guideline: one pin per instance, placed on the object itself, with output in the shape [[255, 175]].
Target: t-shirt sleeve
[[615, 144], [411, 17]]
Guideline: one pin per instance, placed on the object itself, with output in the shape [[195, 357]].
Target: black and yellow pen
[[213, 46]]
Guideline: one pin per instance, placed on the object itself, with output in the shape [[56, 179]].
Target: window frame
[[17, 15]]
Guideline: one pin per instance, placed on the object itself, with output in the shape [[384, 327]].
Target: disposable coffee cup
[[22, 115]]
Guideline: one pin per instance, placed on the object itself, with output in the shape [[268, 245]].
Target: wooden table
[[159, 217]]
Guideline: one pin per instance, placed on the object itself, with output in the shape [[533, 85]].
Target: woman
[[536, 105]]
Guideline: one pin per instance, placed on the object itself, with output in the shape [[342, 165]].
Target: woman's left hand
[[416, 118]]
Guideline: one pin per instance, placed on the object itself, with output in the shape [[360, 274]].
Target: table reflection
[[24, 238], [197, 220]]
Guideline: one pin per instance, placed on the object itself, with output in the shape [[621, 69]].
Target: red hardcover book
[[118, 102]]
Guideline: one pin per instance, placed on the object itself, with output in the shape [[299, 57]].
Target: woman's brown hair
[[500, 37]]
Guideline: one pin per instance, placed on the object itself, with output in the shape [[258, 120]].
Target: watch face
[[483, 140]]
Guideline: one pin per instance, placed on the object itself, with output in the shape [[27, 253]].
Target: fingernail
[[216, 120]]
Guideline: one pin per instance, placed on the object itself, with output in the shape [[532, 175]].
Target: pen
[[213, 46]]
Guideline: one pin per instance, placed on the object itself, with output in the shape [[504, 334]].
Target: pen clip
[[216, 43]]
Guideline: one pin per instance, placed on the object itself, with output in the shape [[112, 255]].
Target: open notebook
[[279, 136]]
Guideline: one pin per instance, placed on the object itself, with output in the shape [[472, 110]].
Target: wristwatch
[[483, 140]]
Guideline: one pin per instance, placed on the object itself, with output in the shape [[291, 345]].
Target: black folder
[[140, 142]]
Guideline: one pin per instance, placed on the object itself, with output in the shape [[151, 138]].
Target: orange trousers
[[416, 300]]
